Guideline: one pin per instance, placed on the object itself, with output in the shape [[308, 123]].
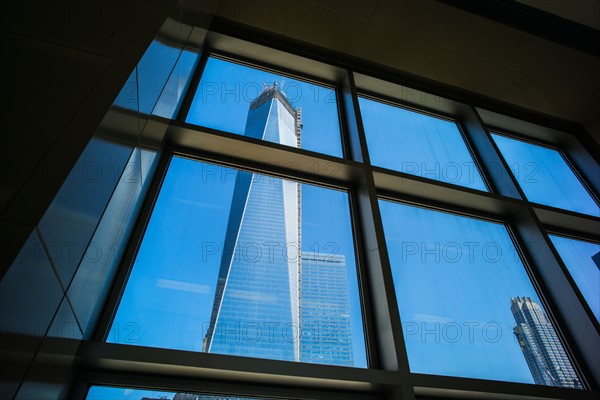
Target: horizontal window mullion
[[408, 188], [274, 159], [574, 223], [174, 364]]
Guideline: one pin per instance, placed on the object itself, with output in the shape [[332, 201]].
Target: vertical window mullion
[[389, 338], [495, 167]]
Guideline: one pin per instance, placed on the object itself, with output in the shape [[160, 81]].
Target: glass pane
[[239, 99], [583, 262], [467, 306], [544, 176], [170, 98], [115, 393], [70, 221], [153, 71], [245, 264], [418, 144]]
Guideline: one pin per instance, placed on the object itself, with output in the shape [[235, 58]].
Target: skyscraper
[[543, 351], [326, 333], [271, 301], [256, 306]]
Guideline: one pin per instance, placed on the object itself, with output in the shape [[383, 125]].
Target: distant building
[[543, 351], [188, 396], [326, 332]]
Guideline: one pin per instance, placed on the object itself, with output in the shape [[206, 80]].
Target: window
[[418, 144], [544, 176], [467, 305], [268, 256], [583, 262], [239, 263], [228, 91], [116, 393]]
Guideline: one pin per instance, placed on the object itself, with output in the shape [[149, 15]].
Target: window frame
[[388, 375], [254, 63], [523, 252]]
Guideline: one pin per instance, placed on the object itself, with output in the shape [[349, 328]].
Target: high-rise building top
[[542, 349], [271, 92]]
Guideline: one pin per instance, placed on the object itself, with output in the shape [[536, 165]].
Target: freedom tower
[[256, 310]]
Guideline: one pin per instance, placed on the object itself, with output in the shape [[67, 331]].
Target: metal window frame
[[389, 375], [248, 62]]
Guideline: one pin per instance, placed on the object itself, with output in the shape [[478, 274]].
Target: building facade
[[256, 309], [272, 301], [326, 332], [543, 351]]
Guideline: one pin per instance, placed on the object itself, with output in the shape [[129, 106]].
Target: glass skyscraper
[[326, 332], [272, 301], [543, 351], [256, 306]]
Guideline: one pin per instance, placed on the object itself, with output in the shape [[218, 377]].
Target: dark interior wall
[[64, 64]]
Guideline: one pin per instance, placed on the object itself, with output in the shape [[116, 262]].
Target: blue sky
[[454, 278], [544, 176], [226, 90], [169, 295], [116, 393], [577, 256], [418, 144]]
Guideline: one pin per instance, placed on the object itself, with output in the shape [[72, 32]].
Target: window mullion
[[496, 169], [391, 350]]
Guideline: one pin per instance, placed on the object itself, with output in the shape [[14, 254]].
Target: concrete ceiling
[[442, 43], [585, 12]]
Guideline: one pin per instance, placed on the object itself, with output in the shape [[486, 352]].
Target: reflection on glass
[[161, 78], [245, 264], [170, 98], [232, 97], [115, 393], [544, 176], [468, 308], [128, 96], [583, 262], [153, 70], [418, 144], [70, 221]]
